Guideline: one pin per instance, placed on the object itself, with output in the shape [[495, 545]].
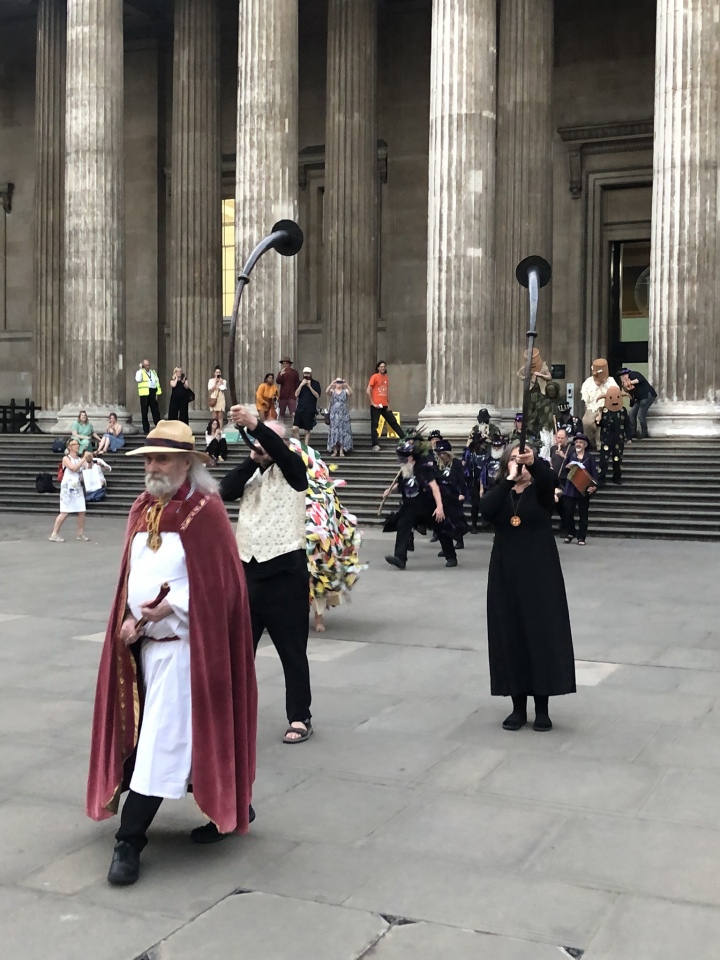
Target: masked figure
[[615, 428], [540, 379], [491, 467], [593, 393], [484, 427]]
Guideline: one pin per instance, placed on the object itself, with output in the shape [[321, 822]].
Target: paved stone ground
[[411, 827]]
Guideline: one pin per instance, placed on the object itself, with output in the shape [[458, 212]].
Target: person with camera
[[180, 396], [307, 395], [72, 497], [93, 478], [340, 438], [266, 398], [215, 443], [216, 395], [149, 390]]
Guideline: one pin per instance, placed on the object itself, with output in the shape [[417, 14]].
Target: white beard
[[407, 470], [161, 487]]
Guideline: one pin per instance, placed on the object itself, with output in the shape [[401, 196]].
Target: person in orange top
[[377, 391], [265, 398]]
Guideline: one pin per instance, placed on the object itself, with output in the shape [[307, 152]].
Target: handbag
[[214, 398], [326, 417], [59, 445], [44, 483], [190, 395]]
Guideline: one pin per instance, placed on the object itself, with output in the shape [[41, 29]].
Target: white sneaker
[[376, 449], [55, 538]]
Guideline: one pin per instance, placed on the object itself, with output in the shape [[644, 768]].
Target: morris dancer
[[176, 700]]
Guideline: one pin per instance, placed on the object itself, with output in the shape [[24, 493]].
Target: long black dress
[[529, 638]]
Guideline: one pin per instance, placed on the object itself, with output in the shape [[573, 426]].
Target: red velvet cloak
[[222, 672]]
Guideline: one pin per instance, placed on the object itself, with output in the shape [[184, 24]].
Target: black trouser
[[149, 402], [177, 410], [583, 504], [375, 414], [606, 458], [413, 510], [137, 814], [281, 604], [218, 448]]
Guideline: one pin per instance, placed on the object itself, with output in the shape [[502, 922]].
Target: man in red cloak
[[176, 699]]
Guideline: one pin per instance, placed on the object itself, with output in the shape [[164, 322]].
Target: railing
[[19, 418]]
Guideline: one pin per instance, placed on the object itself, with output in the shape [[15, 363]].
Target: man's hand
[[591, 490], [461, 498], [243, 417], [439, 514], [153, 614], [128, 633]]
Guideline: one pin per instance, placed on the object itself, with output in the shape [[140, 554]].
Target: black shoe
[[543, 723], [125, 865], [459, 545], [207, 834], [411, 545], [434, 538], [421, 529], [441, 553], [515, 721], [474, 529], [395, 561], [618, 483], [451, 563], [251, 812]]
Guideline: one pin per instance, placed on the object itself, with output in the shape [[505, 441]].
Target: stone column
[[266, 184], [523, 212], [461, 207], [93, 374], [350, 202], [49, 204], [195, 204], [685, 288]]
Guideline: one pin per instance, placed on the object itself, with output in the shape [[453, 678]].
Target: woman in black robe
[[529, 638]]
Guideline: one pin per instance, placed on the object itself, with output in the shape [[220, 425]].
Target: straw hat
[[170, 436]]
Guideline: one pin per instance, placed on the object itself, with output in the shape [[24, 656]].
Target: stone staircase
[[671, 488]]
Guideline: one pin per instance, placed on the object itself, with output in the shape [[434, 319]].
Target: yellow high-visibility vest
[[144, 384]]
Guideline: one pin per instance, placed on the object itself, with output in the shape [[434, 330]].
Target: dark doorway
[[629, 308]]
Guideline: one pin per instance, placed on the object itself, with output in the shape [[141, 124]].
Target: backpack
[[44, 483], [60, 472], [59, 445]]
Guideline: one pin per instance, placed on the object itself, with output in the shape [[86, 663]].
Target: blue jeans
[[640, 408]]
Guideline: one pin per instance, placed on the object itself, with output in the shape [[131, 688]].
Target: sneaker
[[376, 449], [125, 865], [56, 539]]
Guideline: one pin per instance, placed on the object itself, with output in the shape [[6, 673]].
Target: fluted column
[[195, 298], [461, 256], [523, 212], [266, 183], [49, 204], [684, 288], [93, 374], [350, 202]]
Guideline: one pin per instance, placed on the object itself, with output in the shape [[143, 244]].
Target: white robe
[[164, 753]]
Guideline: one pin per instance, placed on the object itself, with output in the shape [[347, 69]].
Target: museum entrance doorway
[[629, 323]]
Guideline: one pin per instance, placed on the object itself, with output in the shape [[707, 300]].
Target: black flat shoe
[[542, 724], [451, 563], [395, 561], [515, 721], [207, 834], [125, 865]]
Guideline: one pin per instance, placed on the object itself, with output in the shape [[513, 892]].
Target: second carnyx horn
[[533, 273]]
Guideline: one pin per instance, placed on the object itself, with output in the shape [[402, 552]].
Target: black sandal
[[304, 734]]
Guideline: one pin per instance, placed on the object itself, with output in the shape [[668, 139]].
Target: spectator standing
[[378, 390], [307, 394], [572, 496], [180, 397], [340, 438], [266, 398], [642, 396], [215, 442], [559, 451], [149, 390], [93, 478], [113, 439], [82, 431], [72, 498], [288, 380], [216, 395]]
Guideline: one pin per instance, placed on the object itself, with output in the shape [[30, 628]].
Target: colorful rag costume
[[333, 538]]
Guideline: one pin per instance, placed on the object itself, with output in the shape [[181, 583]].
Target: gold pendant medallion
[[515, 521]]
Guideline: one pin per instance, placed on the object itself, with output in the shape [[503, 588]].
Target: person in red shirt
[[377, 391], [288, 380]]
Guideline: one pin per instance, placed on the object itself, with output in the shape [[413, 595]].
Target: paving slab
[[644, 929], [260, 926], [419, 940]]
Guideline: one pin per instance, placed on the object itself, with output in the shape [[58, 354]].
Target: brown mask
[[613, 399], [537, 361], [600, 370]]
